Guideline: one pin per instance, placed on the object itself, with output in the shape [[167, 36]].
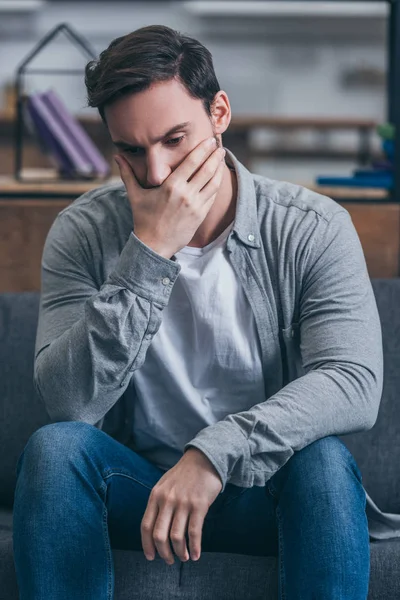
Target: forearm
[[83, 371], [339, 350], [249, 447]]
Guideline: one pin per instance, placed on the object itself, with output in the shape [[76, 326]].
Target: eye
[[175, 141], [132, 151], [171, 142]]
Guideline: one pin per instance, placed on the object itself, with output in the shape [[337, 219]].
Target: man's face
[[138, 123]]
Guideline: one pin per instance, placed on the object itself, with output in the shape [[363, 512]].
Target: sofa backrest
[[21, 411], [376, 451]]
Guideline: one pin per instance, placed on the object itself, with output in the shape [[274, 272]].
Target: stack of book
[[378, 175], [63, 139]]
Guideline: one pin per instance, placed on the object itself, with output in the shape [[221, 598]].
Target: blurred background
[[308, 84]]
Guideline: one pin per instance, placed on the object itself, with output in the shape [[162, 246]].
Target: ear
[[220, 112]]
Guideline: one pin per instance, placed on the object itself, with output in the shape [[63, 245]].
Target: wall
[[268, 66]]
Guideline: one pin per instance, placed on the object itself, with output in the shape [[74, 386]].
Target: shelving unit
[[287, 8], [27, 212], [394, 86], [393, 95]]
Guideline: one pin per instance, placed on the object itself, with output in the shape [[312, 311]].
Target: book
[[68, 157], [377, 181], [77, 134]]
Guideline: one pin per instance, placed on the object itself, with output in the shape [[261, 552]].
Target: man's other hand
[[178, 502]]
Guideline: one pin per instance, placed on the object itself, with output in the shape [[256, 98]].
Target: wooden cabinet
[[24, 225], [378, 227]]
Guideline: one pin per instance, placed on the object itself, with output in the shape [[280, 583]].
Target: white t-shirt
[[205, 360]]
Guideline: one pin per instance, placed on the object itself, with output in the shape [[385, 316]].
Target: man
[[205, 334]]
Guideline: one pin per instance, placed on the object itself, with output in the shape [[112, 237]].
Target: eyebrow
[[174, 129]]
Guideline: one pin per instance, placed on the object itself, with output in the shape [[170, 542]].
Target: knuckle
[[193, 531], [208, 169], [180, 193], [214, 164], [176, 538], [159, 538], [192, 161], [170, 186], [145, 527], [199, 504], [169, 497], [184, 503]]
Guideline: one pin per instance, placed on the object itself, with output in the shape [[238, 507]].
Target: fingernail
[[117, 160], [211, 142]]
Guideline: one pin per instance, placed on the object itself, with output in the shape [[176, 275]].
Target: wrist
[[154, 246]]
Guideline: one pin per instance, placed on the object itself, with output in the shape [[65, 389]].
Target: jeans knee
[[326, 463], [52, 444], [333, 456]]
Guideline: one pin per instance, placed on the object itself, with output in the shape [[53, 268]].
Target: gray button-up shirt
[[299, 259]]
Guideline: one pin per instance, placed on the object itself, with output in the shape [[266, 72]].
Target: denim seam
[[108, 546], [229, 500], [281, 565], [121, 474]]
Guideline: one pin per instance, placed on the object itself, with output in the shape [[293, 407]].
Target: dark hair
[[131, 63]]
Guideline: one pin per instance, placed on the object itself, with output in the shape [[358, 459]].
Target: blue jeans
[[80, 493]]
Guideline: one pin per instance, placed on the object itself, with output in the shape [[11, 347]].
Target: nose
[[157, 171]]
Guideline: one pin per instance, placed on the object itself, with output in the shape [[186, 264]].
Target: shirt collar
[[246, 223]]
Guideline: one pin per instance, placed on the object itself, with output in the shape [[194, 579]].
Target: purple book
[[45, 140], [66, 154], [77, 133]]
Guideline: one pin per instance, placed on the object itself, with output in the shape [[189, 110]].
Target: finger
[[161, 533], [147, 527], [194, 160], [177, 533], [208, 192], [127, 176], [195, 529], [208, 170]]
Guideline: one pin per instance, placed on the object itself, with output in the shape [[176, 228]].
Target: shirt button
[[148, 336], [250, 237], [166, 280]]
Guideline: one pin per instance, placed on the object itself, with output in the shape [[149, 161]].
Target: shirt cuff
[[145, 272], [228, 450]]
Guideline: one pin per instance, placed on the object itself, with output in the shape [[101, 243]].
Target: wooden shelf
[[246, 122], [10, 187], [340, 193]]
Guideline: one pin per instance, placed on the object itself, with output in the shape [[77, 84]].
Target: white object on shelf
[[14, 6], [291, 9]]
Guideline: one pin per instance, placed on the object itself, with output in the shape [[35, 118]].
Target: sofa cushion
[[214, 575]]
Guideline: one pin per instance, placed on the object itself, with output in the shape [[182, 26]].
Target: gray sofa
[[215, 575]]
